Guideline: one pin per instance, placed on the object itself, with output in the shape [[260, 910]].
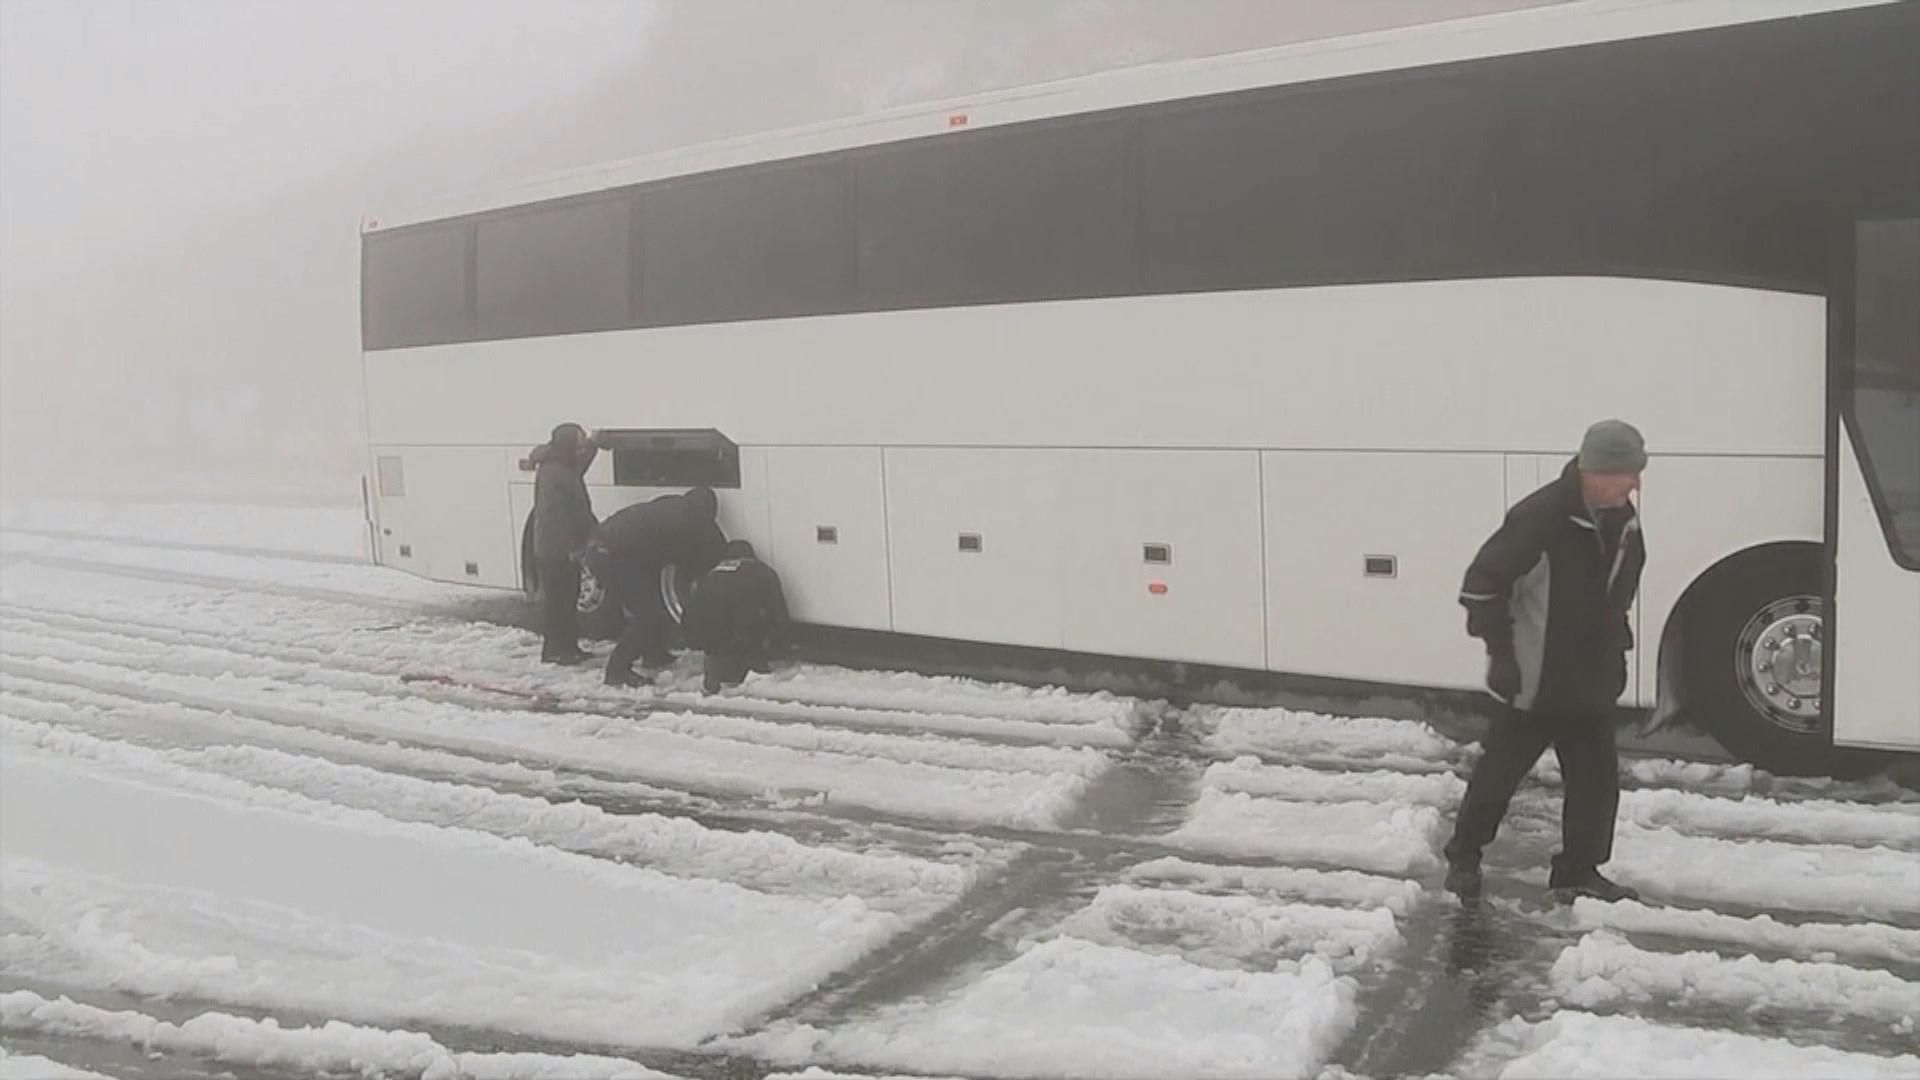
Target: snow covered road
[[237, 831]]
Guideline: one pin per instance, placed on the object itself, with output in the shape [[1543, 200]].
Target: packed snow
[[1575, 1045], [334, 1047], [1070, 1007], [239, 832]]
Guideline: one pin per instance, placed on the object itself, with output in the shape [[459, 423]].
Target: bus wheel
[[600, 618], [1754, 670]]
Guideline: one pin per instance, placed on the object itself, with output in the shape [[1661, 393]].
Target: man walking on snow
[[1548, 593]]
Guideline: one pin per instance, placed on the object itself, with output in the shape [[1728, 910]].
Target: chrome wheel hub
[[1777, 658], [592, 593]]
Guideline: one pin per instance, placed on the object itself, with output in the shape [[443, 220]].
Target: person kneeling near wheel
[[626, 554], [737, 616]]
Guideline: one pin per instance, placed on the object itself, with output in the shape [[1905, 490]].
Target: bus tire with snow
[[1752, 670], [599, 619]]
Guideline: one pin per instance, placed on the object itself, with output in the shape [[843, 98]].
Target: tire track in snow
[[138, 542], [673, 845], [577, 699], [470, 610], [31, 640]]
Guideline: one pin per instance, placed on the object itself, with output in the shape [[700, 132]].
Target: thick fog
[[181, 180]]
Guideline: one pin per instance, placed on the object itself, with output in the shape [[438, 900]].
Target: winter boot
[[1570, 887], [1463, 881]]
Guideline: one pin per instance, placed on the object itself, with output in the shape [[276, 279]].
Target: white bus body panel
[[844, 580], [1310, 368], [1204, 507], [1007, 591], [1326, 513], [1876, 620], [450, 513], [1069, 434]]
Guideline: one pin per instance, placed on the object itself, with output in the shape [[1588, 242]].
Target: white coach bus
[[1236, 362]]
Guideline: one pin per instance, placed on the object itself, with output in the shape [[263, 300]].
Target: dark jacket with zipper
[[738, 606], [562, 509], [677, 529], [1554, 586]]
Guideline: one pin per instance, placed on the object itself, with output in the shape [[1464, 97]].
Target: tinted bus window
[[1886, 376], [413, 287], [555, 270], [754, 243], [1041, 212]]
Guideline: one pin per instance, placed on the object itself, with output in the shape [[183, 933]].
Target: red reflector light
[[957, 120], [1157, 588]]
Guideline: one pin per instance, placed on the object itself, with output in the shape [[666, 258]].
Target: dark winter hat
[[1613, 446], [705, 503], [739, 549], [568, 437]]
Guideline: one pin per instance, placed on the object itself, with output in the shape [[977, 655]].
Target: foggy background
[[181, 181]]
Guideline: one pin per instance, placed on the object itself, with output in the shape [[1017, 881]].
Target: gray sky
[[181, 180]]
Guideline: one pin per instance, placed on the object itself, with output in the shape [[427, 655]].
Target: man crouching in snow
[[1549, 594], [737, 615]]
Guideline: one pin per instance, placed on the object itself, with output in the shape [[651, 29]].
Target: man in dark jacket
[[562, 520], [737, 615], [1549, 594], [627, 553]]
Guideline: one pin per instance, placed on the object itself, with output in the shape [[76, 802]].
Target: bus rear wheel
[[1755, 664]]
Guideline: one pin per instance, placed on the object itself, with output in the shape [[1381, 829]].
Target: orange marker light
[[1157, 588]]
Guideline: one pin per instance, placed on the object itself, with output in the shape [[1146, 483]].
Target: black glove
[[1503, 673]]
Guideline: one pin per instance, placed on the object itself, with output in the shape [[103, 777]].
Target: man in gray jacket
[[1549, 593], [562, 519]]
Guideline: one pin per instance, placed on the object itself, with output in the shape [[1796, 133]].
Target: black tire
[[600, 618], [1723, 623]]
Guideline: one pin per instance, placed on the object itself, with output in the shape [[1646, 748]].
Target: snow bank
[[309, 530], [60, 703], [29, 640], [1385, 838], [1350, 887], [610, 745], [1235, 931], [1603, 969], [1319, 785], [33, 1067], [1818, 941], [817, 685], [1074, 1008], [289, 574], [1817, 820], [1285, 734], [1582, 1046], [1871, 882], [334, 1047], [760, 860], [247, 897]]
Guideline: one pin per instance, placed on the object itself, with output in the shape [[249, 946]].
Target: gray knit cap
[[1613, 446]]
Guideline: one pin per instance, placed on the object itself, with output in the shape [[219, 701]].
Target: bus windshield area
[[1884, 399]]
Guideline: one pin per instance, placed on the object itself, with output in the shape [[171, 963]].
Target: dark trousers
[[560, 606], [635, 586], [1583, 741]]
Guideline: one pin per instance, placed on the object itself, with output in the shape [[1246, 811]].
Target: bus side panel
[[1380, 540], [827, 534], [1876, 676], [1696, 511], [976, 542], [450, 518], [1162, 555]]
